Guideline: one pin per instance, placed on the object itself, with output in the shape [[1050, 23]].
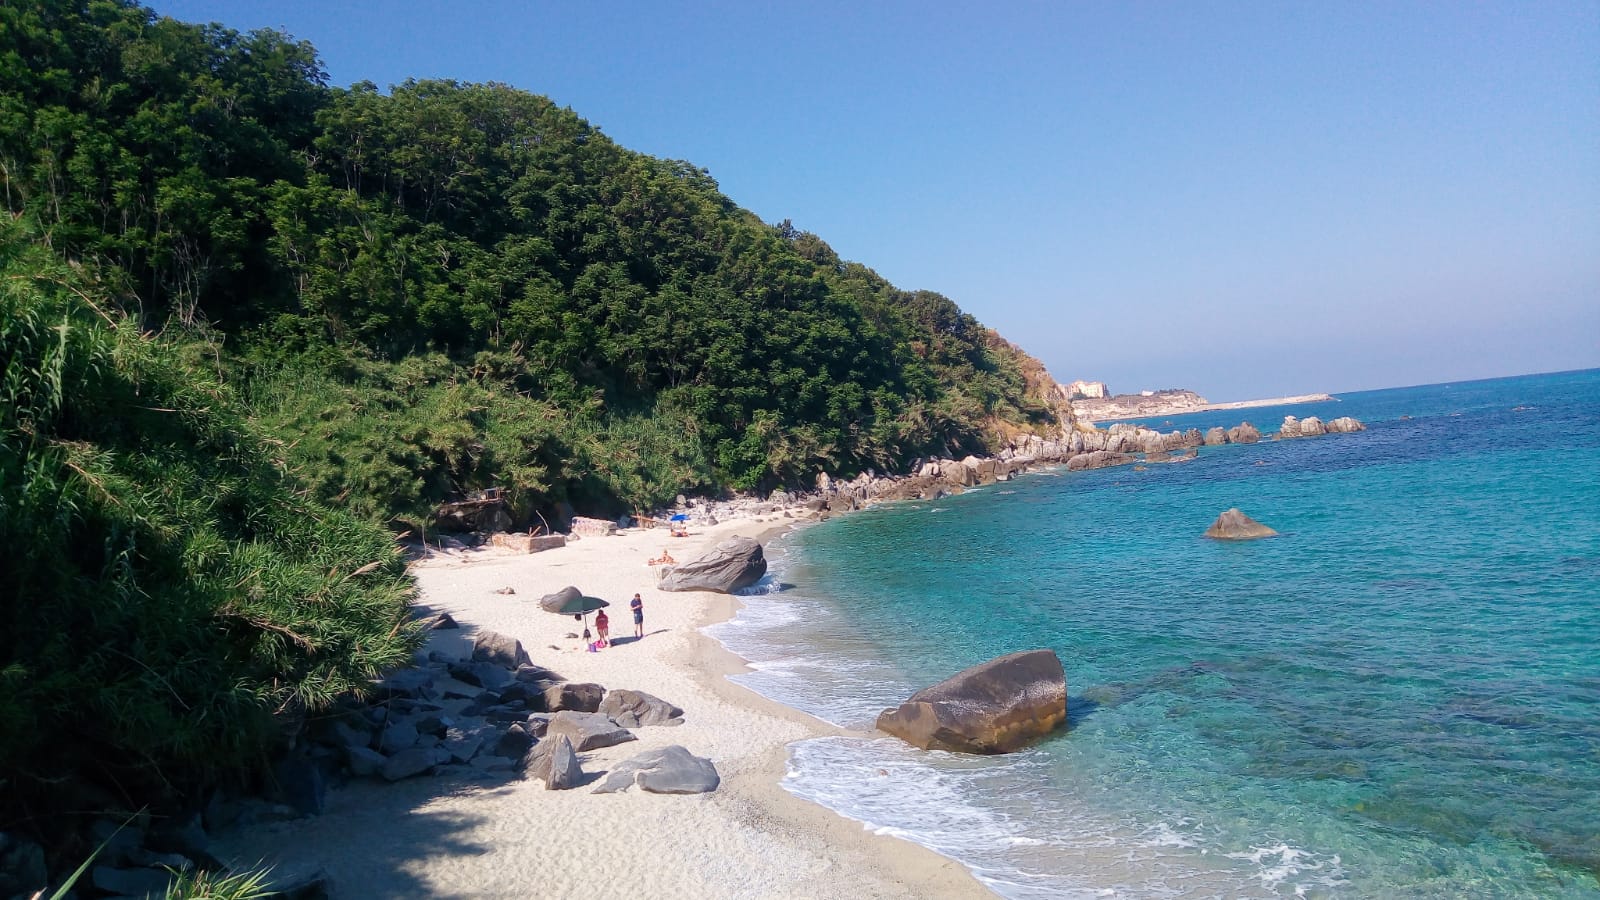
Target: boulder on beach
[[733, 564], [587, 731], [670, 770], [556, 764], [1234, 525], [631, 709], [553, 602], [576, 696], [994, 707], [499, 649]]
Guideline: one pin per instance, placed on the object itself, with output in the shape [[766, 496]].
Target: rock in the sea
[[587, 731], [670, 770], [1099, 459], [500, 649], [579, 697], [1243, 433], [1234, 525], [631, 709], [1345, 425], [555, 763], [994, 707], [732, 565]]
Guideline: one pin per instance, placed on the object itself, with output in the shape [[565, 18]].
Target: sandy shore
[[437, 837]]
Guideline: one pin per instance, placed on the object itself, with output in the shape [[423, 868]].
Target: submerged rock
[[995, 707], [1234, 525]]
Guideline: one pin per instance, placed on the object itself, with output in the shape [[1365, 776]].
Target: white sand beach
[[439, 837]]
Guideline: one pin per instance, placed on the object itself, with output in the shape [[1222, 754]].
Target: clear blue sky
[[1245, 199]]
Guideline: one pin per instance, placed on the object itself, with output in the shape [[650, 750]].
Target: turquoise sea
[[1397, 697]]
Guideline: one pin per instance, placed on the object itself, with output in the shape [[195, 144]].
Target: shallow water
[[1399, 696]]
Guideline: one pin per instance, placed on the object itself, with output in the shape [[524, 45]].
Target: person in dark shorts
[[637, 606]]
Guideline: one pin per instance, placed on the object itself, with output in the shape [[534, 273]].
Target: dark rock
[[631, 709], [22, 866], [487, 762], [530, 694], [587, 731], [363, 761], [579, 697], [434, 724], [180, 834], [482, 674], [408, 683], [994, 707], [514, 743], [399, 735], [488, 515], [732, 565], [139, 882], [555, 763], [553, 602], [302, 882], [407, 763], [300, 784], [1234, 525], [116, 840], [670, 770], [534, 674], [442, 622], [500, 649]]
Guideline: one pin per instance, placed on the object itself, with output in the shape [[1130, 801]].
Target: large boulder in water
[[732, 565], [996, 707], [1234, 525]]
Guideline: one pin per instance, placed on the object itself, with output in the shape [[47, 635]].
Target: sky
[[1246, 199]]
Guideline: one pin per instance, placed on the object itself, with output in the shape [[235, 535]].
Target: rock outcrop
[[499, 649], [1234, 525], [995, 707], [588, 731], [733, 564]]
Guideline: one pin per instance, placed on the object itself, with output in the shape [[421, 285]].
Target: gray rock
[[407, 763], [1099, 459], [1216, 437], [514, 743], [1234, 525], [488, 762], [732, 565], [398, 735], [631, 709], [553, 602], [670, 770], [363, 761], [442, 622], [186, 835], [1243, 433], [555, 763], [412, 683], [579, 697], [994, 707], [481, 674], [500, 649], [587, 731], [116, 840]]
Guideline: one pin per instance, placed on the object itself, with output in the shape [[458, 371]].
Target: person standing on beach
[[637, 606], [602, 627]]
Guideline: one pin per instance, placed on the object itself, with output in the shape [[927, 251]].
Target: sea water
[[1397, 696]]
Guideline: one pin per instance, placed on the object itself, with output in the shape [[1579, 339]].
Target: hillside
[[448, 286]]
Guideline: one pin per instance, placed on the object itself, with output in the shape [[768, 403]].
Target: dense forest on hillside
[[448, 286]]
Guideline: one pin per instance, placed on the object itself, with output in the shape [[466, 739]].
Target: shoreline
[[446, 837]]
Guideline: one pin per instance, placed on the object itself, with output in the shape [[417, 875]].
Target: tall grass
[[169, 597]]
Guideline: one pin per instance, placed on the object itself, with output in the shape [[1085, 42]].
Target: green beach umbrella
[[580, 607]]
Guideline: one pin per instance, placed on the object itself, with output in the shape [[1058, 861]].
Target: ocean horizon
[[1397, 696]]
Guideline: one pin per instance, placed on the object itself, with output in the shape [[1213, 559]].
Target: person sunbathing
[[665, 559]]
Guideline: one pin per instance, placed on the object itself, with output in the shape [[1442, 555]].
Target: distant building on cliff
[[1087, 390]]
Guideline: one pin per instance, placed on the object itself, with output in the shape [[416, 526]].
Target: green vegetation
[[169, 596], [449, 286]]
